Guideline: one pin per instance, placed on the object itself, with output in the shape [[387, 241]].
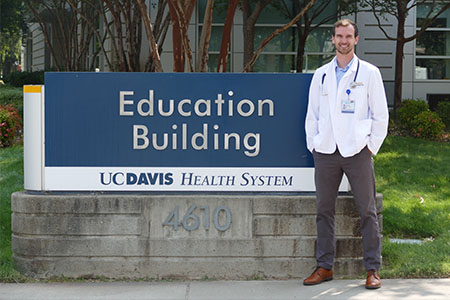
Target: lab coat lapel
[[331, 84], [346, 80], [351, 72]]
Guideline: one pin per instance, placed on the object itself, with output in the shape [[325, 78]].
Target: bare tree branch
[[428, 23], [275, 33], [150, 37], [94, 30], [381, 26]]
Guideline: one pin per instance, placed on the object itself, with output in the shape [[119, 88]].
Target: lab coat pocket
[[318, 140], [363, 129]]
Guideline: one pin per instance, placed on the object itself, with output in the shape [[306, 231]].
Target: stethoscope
[[354, 79]]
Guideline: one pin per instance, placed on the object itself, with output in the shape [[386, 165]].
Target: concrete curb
[[405, 289]]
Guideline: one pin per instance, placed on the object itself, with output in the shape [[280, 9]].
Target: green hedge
[[19, 79], [12, 95], [443, 110], [409, 109], [417, 120], [427, 125]]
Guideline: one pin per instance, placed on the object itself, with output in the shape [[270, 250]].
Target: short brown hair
[[345, 23]]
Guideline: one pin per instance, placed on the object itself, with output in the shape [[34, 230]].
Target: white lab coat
[[327, 126]]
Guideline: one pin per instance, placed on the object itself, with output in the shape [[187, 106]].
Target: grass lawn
[[413, 175], [11, 180]]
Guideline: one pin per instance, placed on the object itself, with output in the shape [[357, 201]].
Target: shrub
[[408, 110], [10, 125], [427, 125], [19, 79], [12, 95], [443, 110]]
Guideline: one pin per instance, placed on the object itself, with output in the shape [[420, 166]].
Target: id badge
[[348, 106]]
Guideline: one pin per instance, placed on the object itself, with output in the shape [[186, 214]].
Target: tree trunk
[[226, 36], [119, 36], [150, 37], [202, 58], [188, 8], [248, 30], [399, 58], [249, 20], [302, 35], [249, 43], [398, 74], [159, 29], [84, 14], [177, 38]]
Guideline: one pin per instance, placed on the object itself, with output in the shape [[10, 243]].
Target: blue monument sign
[[176, 132]]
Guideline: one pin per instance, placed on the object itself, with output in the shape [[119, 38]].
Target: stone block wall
[[183, 236]]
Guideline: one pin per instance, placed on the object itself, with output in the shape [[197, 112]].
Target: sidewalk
[[420, 289]]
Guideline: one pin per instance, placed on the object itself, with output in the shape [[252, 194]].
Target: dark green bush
[[19, 79], [10, 125], [12, 95], [427, 125], [408, 110], [443, 110]]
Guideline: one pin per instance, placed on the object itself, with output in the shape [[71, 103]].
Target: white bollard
[[33, 112]]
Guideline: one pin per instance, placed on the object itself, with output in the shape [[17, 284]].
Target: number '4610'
[[191, 221]]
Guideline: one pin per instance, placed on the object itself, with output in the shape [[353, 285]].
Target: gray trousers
[[329, 169]]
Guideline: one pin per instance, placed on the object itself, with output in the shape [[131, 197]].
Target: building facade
[[426, 62]]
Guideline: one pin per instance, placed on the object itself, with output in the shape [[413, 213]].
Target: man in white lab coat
[[346, 124]]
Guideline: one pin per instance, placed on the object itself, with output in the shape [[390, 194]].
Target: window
[[214, 47], [319, 49], [280, 55], [433, 46]]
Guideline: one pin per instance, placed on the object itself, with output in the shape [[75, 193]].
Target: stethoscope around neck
[[354, 79]]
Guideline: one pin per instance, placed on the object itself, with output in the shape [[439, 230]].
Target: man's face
[[344, 39]]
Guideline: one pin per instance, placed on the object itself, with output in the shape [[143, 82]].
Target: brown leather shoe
[[318, 276], [373, 280]]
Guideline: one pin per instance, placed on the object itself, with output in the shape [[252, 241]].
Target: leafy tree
[[11, 27], [318, 15], [400, 10]]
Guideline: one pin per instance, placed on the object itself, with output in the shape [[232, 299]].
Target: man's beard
[[344, 51]]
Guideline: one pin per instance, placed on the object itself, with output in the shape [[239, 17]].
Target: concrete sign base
[[181, 236]]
